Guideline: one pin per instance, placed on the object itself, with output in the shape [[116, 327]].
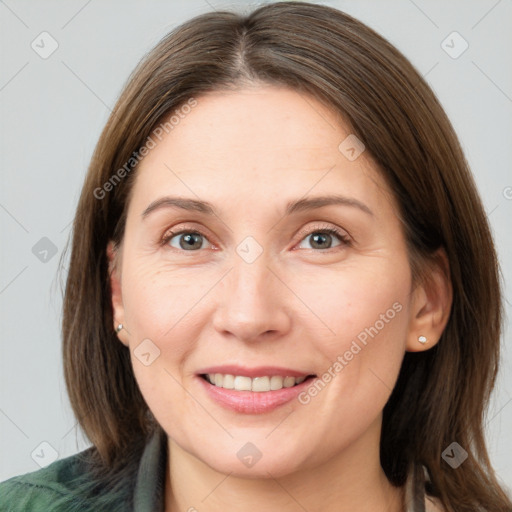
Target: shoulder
[[83, 483], [51, 489]]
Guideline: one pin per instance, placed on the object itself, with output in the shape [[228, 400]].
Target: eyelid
[[322, 227]]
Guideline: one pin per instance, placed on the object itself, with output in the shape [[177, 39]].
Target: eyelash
[[341, 235], [344, 239]]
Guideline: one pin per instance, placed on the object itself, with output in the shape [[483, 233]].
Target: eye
[[320, 238], [325, 238], [186, 239]]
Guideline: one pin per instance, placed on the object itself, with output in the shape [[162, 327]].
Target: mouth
[[260, 384], [253, 390]]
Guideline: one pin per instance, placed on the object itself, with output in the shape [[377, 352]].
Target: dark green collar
[[148, 495]]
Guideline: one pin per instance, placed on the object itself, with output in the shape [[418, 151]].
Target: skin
[[249, 152]]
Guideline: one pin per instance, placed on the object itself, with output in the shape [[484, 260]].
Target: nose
[[252, 303]]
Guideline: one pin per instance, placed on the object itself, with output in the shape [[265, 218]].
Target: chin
[[246, 460]]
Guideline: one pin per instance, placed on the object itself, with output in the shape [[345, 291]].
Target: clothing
[[51, 489]]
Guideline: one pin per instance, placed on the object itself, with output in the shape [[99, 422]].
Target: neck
[[350, 480]]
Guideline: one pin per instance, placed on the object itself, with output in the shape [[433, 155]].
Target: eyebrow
[[300, 205]]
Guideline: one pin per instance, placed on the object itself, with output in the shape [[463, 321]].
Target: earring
[[422, 339], [118, 328]]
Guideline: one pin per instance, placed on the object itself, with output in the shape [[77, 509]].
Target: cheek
[[167, 307], [367, 310], [346, 302], [158, 301], [361, 323]]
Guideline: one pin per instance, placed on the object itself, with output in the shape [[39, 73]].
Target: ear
[[431, 305], [114, 272]]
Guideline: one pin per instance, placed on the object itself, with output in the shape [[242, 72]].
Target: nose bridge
[[251, 301], [251, 282]]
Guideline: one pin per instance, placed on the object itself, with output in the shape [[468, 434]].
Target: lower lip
[[253, 402]]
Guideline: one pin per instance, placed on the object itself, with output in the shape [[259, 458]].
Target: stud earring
[[422, 339], [118, 328]]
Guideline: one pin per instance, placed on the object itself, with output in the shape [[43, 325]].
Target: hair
[[442, 394]]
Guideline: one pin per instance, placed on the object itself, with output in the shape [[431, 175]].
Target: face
[[272, 283]]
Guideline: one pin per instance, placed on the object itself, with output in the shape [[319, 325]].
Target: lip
[[258, 371], [253, 402]]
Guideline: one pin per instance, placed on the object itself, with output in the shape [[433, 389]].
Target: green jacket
[[60, 487], [63, 486]]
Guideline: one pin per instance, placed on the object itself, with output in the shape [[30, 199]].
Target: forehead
[[261, 143], [263, 121]]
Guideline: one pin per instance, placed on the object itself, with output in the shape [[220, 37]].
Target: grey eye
[[187, 240], [322, 240]]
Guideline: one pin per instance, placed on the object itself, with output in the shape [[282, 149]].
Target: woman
[[283, 292]]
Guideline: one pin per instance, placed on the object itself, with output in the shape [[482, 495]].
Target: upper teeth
[[241, 383]]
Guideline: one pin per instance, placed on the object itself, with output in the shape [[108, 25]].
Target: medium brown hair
[[441, 394]]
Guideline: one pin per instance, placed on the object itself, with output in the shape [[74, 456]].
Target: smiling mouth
[[257, 384]]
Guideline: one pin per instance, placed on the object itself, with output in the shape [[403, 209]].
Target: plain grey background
[[53, 107]]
